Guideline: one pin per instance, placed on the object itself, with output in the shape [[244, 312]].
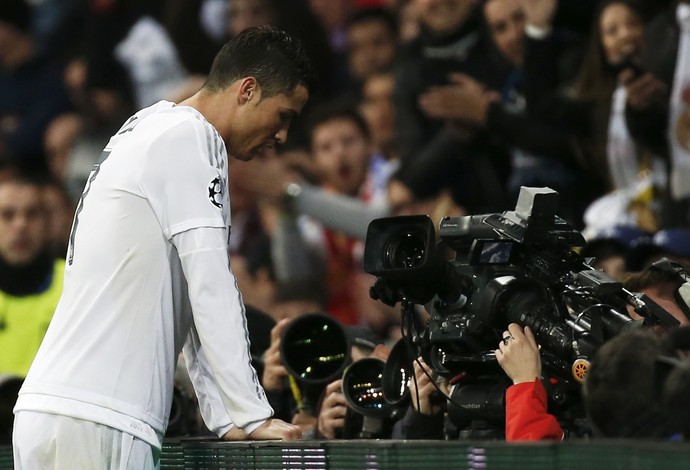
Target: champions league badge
[[215, 192]]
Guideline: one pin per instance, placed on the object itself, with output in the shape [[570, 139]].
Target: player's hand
[[276, 429], [272, 429], [518, 354]]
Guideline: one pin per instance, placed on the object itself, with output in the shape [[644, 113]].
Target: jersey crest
[[215, 192]]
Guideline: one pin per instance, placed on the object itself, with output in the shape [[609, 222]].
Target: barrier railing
[[400, 455]]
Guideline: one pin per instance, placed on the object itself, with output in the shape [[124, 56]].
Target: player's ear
[[248, 90]]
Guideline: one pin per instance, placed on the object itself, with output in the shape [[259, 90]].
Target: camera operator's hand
[[518, 354], [273, 377], [272, 429], [333, 410], [422, 401]]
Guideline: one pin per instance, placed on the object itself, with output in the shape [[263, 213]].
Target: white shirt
[[154, 217]]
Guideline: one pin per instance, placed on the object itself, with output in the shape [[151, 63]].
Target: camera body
[[491, 270]]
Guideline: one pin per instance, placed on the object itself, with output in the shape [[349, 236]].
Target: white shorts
[[56, 442]]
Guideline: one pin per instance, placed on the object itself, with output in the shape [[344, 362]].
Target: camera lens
[[362, 386], [405, 250], [397, 373], [315, 348]]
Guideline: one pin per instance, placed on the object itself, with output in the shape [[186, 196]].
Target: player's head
[[276, 60], [268, 79]]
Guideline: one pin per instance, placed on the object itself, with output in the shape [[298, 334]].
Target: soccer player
[[147, 274]]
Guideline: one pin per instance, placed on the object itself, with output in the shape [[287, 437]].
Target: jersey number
[[97, 167], [128, 126]]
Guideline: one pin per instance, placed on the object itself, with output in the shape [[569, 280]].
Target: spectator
[[197, 28], [591, 115], [435, 155], [672, 243], [657, 116], [610, 248], [30, 275], [32, 89], [332, 15], [341, 151], [537, 158], [372, 43], [304, 248], [408, 21], [376, 107]]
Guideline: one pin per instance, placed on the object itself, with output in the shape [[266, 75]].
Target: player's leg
[[47, 441]]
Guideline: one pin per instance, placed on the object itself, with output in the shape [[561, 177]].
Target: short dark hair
[[640, 280], [620, 390], [676, 390], [333, 110], [369, 14], [277, 61], [16, 13], [17, 176]]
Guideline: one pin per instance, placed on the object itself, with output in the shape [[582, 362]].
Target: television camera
[[486, 272]]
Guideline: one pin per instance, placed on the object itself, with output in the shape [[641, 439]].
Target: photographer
[[660, 283], [274, 379], [335, 419], [425, 417], [626, 393], [526, 414], [624, 388]]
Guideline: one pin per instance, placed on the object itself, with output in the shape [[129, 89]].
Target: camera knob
[[579, 369]]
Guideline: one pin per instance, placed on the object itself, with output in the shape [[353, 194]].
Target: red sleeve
[[526, 415]]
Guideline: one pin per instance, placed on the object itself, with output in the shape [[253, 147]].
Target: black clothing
[[29, 279], [649, 127], [433, 157], [31, 96], [415, 425]]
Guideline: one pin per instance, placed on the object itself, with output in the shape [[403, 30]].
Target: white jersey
[[133, 294]]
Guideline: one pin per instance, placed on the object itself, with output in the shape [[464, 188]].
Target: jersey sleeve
[[218, 346], [184, 187], [210, 398], [527, 418]]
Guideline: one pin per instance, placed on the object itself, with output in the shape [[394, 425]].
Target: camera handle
[[383, 292]]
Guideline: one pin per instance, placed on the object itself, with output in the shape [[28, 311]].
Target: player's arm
[[211, 404], [219, 341]]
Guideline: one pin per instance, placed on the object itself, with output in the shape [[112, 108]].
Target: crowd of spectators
[[438, 107]]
